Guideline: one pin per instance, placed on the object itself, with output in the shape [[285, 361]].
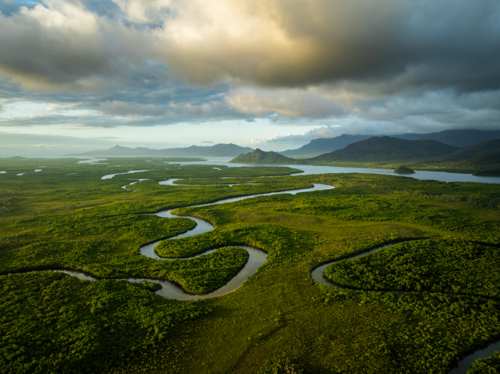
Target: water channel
[[461, 366], [258, 257], [172, 290]]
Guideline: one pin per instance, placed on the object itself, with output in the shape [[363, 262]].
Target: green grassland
[[54, 219]]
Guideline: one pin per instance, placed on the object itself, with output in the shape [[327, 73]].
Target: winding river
[[256, 259], [173, 291]]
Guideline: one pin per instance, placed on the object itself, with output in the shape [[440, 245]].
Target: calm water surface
[[312, 170]]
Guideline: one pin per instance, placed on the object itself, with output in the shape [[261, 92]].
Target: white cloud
[[364, 66], [285, 102]]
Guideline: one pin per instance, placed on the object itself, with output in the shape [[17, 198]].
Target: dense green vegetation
[[403, 170], [67, 217], [55, 323], [207, 273], [427, 265]]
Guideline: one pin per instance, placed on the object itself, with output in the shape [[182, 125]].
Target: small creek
[[134, 182], [462, 366], [317, 273]]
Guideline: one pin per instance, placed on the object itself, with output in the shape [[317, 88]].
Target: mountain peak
[[257, 152], [260, 157]]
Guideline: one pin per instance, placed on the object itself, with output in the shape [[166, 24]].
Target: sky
[[270, 74]]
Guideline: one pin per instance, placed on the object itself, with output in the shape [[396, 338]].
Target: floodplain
[[416, 307]]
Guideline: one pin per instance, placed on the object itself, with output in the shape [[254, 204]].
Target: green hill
[[486, 165], [261, 157], [456, 138], [386, 149], [469, 152], [404, 170], [485, 161]]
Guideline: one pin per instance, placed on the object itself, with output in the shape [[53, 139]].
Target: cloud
[[207, 142], [389, 45], [320, 132], [62, 45], [120, 108], [338, 64], [284, 102]]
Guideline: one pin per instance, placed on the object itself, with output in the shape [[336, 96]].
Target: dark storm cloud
[[142, 63], [389, 44]]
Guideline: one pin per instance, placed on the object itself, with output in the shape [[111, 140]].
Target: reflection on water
[[92, 161], [134, 182], [109, 176], [257, 257], [313, 170], [171, 182], [173, 291]]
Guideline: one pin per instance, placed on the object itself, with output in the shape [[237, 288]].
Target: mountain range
[[386, 149], [443, 147], [393, 150], [455, 138], [217, 150]]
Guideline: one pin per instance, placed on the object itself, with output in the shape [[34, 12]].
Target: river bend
[[257, 258], [173, 291]]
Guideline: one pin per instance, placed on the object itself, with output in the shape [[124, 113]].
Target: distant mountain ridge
[[484, 157], [324, 145], [217, 150], [455, 138], [475, 150], [386, 149]]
